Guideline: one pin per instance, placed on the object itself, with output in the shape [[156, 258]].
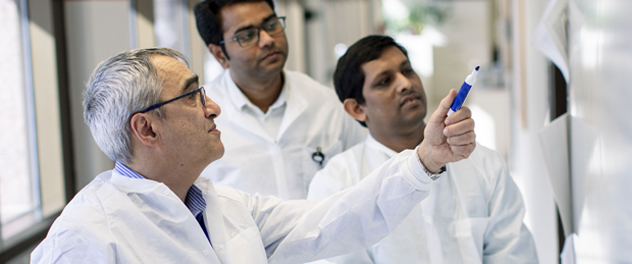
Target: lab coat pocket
[[315, 158], [469, 233]]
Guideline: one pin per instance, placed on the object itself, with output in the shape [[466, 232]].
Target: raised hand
[[447, 139]]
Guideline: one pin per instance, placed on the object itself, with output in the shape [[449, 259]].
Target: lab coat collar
[[240, 100], [371, 142], [233, 108], [213, 216], [136, 185], [144, 185], [234, 93], [194, 199]]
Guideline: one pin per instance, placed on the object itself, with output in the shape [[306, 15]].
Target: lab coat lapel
[[433, 240], [214, 220], [375, 154], [296, 105], [468, 230]]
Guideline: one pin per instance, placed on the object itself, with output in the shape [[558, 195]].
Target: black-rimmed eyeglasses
[[250, 36], [199, 90]]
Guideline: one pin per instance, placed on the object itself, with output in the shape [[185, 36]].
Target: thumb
[[441, 113]]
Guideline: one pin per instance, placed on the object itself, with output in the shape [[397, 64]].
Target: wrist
[[425, 157]]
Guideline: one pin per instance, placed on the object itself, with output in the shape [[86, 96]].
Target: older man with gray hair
[[146, 112]]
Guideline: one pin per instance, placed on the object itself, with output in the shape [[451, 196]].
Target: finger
[[459, 115], [464, 151], [463, 139], [444, 106], [462, 127]]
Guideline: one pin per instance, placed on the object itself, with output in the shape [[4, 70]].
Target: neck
[[262, 92], [401, 141], [179, 177]]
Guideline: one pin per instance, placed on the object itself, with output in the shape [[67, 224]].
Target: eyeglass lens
[[251, 36], [203, 96]]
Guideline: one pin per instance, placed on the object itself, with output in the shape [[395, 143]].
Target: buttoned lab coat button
[[206, 252]]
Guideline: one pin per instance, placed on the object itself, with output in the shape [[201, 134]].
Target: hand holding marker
[[464, 91]]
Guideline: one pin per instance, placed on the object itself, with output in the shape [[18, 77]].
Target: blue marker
[[464, 91]]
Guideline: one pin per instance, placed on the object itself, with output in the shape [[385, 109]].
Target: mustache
[[270, 52], [411, 92]]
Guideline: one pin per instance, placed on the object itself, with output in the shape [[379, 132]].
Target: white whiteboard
[[600, 59]]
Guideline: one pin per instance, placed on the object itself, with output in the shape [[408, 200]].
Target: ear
[[354, 109], [143, 130], [219, 55]]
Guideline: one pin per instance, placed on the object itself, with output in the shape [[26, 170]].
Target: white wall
[[468, 44], [529, 113], [337, 21], [95, 30]]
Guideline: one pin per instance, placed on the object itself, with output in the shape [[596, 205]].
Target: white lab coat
[[473, 214], [256, 162], [116, 219]]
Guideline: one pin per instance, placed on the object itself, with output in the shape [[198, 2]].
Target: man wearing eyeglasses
[[284, 124], [146, 112]]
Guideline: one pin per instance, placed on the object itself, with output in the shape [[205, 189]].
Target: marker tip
[[477, 67]]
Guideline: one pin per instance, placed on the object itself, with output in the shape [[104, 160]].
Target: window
[[28, 105], [19, 186]]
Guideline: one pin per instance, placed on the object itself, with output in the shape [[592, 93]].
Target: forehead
[[391, 58], [244, 14], [171, 71]]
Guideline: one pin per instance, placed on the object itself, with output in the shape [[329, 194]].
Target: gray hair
[[119, 87]]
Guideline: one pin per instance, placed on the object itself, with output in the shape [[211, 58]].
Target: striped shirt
[[194, 200]]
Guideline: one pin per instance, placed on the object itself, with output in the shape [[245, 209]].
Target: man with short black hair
[[284, 124], [474, 212]]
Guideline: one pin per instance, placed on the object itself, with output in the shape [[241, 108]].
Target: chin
[[218, 153], [274, 69], [414, 121]]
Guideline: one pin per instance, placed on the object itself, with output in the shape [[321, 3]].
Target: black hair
[[209, 21], [349, 77]]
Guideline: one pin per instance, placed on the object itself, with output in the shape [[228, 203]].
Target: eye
[[247, 35], [271, 26], [383, 81], [192, 96], [408, 71]]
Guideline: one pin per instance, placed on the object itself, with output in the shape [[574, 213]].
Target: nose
[[211, 109], [403, 84], [265, 39]]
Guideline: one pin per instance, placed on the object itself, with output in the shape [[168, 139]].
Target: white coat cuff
[[417, 176]]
